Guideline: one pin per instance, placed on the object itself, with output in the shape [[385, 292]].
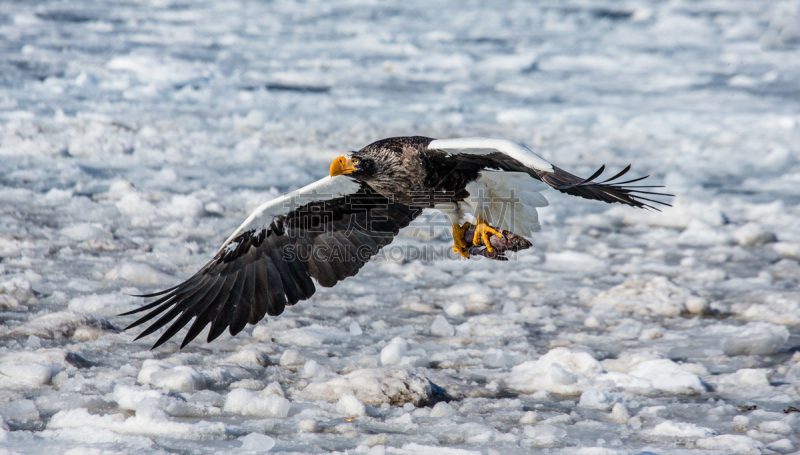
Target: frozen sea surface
[[134, 136]]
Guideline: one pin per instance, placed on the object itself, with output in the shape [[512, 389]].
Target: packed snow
[[136, 136]]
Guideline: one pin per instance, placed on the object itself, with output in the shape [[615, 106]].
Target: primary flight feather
[[329, 229]]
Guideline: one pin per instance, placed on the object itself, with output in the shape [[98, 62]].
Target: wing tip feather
[[607, 190]]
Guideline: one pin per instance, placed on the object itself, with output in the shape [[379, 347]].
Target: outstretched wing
[[511, 156], [326, 231]]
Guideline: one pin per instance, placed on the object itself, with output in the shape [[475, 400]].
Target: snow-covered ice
[[135, 136]]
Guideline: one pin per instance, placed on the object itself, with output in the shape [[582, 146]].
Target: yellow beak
[[341, 166]]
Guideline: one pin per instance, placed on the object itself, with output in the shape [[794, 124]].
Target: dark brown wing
[[608, 190], [262, 271]]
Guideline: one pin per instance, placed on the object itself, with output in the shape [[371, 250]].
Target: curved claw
[[459, 244], [462, 251], [482, 231]]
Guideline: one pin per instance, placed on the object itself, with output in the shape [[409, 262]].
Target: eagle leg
[[459, 243], [482, 231]]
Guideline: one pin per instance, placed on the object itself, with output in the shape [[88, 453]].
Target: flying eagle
[[329, 229]]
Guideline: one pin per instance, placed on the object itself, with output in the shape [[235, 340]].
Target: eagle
[[328, 230]]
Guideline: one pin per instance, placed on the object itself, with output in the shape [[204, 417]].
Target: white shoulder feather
[[324, 189], [485, 146]]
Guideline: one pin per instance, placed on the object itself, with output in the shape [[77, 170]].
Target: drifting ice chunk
[[15, 374], [375, 387], [262, 333], [775, 309], [628, 330], [758, 377], [683, 211], [181, 206], [175, 378], [15, 291], [250, 356], [394, 351], [178, 379], [667, 376], [118, 189], [81, 232], [757, 338], [696, 305], [442, 328], [350, 406], [544, 435], [500, 358], [138, 273], [355, 329], [753, 234], [781, 446], [134, 398], [308, 426], [274, 388], [147, 421], [291, 357], [728, 443], [570, 261], [20, 410], [442, 409], [787, 250], [659, 296], [55, 356], [245, 402], [529, 417], [565, 372], [455, 309], [60, 325], [419, 449], [313, 336], [596, 399], [683, 430], [775, 427], [560, 371], [132, 205], [103, 304], [619, 413], [698, 233], [131, 397], [255, 442]]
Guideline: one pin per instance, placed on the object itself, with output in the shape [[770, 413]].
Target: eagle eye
[[355, 161]]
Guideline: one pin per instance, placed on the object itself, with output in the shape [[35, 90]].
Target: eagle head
[[365, 165]]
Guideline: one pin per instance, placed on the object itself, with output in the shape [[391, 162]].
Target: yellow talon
[[482, 231], [459, 244], [463, 252]]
